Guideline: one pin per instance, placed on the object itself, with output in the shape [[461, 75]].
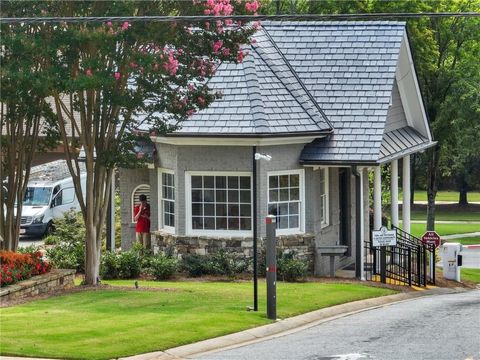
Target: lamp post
[[256, 157]]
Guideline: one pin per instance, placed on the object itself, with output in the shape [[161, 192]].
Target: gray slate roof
[[349, 68], [401, 142], [261, 97]]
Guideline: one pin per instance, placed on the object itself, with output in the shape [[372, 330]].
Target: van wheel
[[50, 229]]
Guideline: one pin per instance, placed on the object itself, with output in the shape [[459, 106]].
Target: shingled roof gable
[[261, 97], [349, 68]]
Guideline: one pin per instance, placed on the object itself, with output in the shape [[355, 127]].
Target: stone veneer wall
[[57, 279], [303, 245]]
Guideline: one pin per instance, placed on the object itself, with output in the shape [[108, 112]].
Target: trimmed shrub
[[129, 264], [291, 269], [224, 263], [220, 263], [194, 265], [68, 251], [162, 267], [109, 266]]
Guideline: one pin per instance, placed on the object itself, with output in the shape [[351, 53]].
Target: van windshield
[[35, 196]]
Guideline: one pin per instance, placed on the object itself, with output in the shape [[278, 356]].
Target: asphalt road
[[442, 327], [26, 241], [471, 257]]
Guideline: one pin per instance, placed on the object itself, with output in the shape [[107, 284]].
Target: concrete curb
[[285, 327]]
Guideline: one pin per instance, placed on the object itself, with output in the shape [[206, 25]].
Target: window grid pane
[[284, 200], [323, 196], [221, 202], [168, 199]]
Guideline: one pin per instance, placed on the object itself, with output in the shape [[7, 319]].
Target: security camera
[[262, 157]]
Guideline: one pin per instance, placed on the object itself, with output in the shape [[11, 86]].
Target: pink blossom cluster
[[204, 67], [217, 46], [252, 6], [218, 7], [171, 65]]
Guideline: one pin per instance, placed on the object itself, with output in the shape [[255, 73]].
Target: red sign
[[431, 237]]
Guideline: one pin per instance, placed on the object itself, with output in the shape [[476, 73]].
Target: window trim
[[188, 204], [301, 173], [324, 224], [168, 229], [132, 203]]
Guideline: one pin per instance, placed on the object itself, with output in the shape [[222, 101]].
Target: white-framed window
[[143, 189], [167, 199], [219, 203], [286, 200], [324, 208]]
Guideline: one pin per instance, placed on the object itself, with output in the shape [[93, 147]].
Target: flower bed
[[17, 267]]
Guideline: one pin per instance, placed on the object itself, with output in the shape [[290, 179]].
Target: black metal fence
[[408, 263]]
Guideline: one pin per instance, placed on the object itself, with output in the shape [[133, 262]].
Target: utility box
[[451, 260]]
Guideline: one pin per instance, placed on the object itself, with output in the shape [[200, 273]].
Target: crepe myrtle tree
[[27, 124], [108, 78]]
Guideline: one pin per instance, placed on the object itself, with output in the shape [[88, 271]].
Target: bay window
[[219, 203]]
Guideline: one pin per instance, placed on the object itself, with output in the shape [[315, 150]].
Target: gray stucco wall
[[330, 234], [205, 158], [181, 159], [129, 180]]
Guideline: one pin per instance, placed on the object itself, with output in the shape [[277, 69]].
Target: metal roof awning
[[401, 142]]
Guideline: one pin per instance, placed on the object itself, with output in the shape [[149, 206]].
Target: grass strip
[[472, 275], [106, 324]]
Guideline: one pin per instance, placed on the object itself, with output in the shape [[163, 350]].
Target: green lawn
[[106, 324], [472, 275], [445, 229], [475, 240], [421, 195]]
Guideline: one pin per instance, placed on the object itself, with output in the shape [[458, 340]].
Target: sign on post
[[271, 244], [431, 237], [384, 237]]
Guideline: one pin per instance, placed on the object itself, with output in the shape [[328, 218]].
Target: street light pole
[[255, 157], [254, 230]]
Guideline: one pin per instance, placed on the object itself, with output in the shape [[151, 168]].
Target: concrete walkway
[[439, 202], [460, 236], [447, 222]]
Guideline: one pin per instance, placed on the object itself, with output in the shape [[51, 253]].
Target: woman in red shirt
[[141, 214]]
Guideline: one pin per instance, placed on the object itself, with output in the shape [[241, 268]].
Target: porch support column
[[406, 194], [394, 192], [362, 224], [377, 198]]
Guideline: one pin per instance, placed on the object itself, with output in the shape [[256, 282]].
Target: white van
[[50, 194]]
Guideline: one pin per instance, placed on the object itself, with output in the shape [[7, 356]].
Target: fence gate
[[408, 263]]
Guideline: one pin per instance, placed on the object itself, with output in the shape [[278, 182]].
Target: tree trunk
[[92, 255], [432, 186], [463, 197], [463, 190]]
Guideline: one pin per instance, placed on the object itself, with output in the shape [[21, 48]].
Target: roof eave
[[337, 163], [252, 135], [409, 151]]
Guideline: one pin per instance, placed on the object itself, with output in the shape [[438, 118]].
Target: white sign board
[[384, 237]]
